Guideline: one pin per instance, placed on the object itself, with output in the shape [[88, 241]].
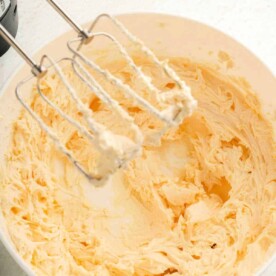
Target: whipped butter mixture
[[200, 203]]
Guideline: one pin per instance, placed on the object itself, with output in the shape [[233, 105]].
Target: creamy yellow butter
[[200, 203]]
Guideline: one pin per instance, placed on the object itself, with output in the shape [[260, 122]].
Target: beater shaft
[[37, 70], [81, 32]]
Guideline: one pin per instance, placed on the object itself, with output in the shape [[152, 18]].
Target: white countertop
[[251, 22]]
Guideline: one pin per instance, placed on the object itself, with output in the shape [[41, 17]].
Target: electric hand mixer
[[115, 149]]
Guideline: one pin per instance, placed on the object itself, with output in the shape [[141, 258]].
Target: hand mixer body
[[8, 19]]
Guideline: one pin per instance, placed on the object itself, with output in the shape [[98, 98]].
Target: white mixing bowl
[[166, 35]]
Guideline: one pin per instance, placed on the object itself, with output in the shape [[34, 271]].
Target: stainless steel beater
[[115, 149]]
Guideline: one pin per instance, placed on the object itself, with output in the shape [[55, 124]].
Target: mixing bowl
[[166, 35]]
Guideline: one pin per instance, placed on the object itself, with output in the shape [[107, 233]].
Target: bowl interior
[[167, 36]]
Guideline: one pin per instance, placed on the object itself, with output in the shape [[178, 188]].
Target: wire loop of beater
[[96, 180], [186, 96]]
